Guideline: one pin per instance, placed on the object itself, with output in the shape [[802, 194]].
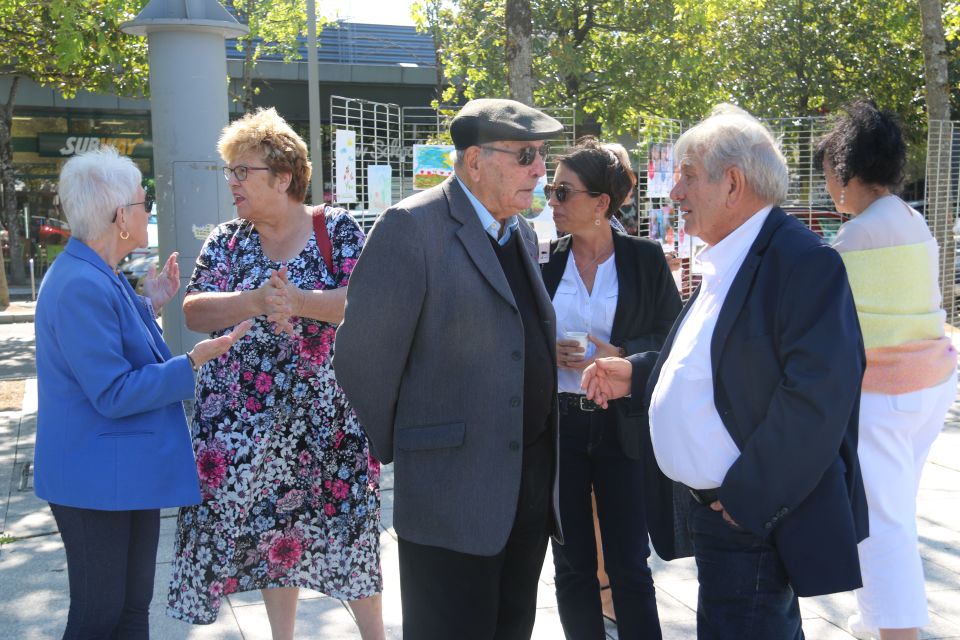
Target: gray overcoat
[[430, 354]]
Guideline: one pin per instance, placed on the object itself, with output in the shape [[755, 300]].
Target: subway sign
[[63, 145]]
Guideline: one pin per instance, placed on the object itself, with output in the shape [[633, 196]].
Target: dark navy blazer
[[788, 361], [111, 432]]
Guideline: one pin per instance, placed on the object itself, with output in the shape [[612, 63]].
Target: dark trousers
[[744, 589], [591, 457], [446, 594], [111, 559]]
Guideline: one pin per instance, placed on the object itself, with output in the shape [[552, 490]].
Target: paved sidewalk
[[18, 311], [33, 579]]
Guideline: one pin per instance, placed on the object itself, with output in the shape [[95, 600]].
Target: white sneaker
[[858, 629]]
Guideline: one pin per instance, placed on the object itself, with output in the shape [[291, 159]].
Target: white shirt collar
[[716, 261]]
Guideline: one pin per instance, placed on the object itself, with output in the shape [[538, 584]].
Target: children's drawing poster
[[346, 166], [432, 164], [379, 179]]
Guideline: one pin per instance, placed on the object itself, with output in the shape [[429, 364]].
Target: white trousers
[[896, 433]]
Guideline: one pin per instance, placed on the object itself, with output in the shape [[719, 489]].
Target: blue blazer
[[111, 431], [787, 358]]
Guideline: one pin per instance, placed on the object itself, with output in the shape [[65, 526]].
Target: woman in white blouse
[[617, 290]]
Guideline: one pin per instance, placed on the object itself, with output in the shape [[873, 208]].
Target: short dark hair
[[601, 169], [864, 143]]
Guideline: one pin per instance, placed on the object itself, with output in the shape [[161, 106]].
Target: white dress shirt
[[578, 310], [689, 439]]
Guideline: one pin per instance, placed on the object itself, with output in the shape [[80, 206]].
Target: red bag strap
[[323, 238]]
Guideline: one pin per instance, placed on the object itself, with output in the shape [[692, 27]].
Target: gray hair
[[92, 186], [731, 137]]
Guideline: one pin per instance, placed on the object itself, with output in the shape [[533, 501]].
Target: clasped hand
[[282, 300]]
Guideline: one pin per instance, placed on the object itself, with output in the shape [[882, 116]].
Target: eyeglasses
[[240, 171], [525, 156], [147, 205], [562, 191]]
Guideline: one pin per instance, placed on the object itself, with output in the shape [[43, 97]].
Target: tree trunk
[[246, 100], [935, 60], [940, 179], [519, 55], [8, 208]]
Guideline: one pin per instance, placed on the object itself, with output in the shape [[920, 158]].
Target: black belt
[[576, 402], [705, 497]]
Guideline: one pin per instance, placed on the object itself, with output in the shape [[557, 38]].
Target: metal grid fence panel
[[377, 126], [942, 205], [807, 198]]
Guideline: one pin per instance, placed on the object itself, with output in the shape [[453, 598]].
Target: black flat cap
[[491, 120]]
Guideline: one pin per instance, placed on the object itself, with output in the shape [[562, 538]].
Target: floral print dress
[[290, 494]]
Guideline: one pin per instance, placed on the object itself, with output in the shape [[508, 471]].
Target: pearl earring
[[843, 196]]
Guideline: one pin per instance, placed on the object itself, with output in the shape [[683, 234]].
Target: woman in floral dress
[[290, 494]]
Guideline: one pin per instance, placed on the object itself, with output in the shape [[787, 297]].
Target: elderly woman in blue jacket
[[112, 444]]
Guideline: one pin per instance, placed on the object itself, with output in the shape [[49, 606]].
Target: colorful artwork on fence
[[346, 166], [661, 226], [432, 164], [379, 179], [660, 170]]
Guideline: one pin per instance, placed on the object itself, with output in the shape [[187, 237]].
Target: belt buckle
[[588, 405], [706, 497]]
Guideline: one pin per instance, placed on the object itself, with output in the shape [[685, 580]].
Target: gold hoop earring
[[124, 235]]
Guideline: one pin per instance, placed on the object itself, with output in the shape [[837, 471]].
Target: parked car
[[53, 231], [823, 222], [136, 265]]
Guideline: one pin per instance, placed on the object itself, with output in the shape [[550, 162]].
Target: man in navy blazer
[[753, 400]]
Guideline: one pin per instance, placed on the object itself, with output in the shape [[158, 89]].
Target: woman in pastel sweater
[[910, 382]]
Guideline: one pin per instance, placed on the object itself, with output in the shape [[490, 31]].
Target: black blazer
[[788, 361], [647, 305]]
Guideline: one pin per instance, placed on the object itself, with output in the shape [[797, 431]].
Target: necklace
[[586, 268]]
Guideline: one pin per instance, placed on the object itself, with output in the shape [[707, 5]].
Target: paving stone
[[326, 618]]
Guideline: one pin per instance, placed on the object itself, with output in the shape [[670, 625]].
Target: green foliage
[[676, 58], [73, 44], [274, 27]]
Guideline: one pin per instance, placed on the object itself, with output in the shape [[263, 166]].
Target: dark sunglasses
[[241, 171], [525, 156], [562, 191], [147, 206]]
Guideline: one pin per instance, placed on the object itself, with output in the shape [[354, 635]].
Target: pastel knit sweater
[[892, 264]]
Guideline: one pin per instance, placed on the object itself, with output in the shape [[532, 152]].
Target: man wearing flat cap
[[446, 352]]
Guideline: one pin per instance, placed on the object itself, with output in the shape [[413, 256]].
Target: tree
[[274, 28], [598, 55], [519, 25], [675, 58], [935, 60], [67, 45], [939, 206]]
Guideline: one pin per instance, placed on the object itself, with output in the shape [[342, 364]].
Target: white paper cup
[[579, 336]]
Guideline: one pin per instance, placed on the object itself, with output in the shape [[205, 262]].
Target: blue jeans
[[111, 560], [744, 590], [591, 456]]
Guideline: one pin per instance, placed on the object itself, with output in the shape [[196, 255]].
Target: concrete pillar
[[188, 103]]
